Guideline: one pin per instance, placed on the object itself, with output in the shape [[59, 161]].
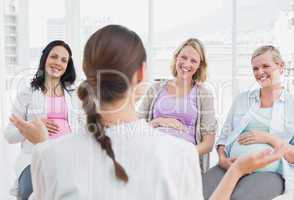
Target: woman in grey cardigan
[[183, 107]]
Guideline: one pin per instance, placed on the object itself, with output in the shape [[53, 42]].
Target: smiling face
[[56, 62], [266, 71], [187, 63]]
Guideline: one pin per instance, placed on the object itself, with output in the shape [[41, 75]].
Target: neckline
[[55, 96], [129, 123], [184, 96]]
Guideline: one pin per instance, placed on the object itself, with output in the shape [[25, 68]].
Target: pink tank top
[[57, 111]]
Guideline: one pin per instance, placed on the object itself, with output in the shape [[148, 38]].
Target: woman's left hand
[[249, 163], [35, 131], [254, 137]]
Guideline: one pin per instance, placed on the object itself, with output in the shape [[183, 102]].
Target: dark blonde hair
[[114, 48], [201, 73], [277, 57]]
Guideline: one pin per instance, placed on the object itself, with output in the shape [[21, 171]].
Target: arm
[[227, 185], [206, 144], [143, 106], [227, 127], [244, 165], [289, 147], [35, 131], [19, 107], [208, 122], [289, 154], [260, 137], [224, 162]]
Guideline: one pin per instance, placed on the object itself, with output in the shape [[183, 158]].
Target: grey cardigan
[[206, 120]]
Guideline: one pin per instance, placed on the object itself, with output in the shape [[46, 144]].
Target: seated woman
[[183, 107], [117, 152], [257, 120], [49, 96]]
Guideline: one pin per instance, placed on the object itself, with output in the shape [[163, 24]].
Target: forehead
[[60, 50], [265, 58], [190, 51]]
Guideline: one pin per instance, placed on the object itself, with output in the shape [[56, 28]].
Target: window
[[261, 22], [46, 23], [208, 21], [230, 31], [130, 13]]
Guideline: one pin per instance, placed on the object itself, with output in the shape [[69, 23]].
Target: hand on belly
[[241, 150]]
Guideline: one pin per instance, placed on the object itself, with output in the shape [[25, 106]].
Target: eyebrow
[[56, 54]]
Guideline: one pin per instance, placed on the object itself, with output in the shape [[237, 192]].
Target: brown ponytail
[[95, 126], [121, 53]]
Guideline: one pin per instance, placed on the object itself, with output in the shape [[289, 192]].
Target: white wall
[[7, 152]]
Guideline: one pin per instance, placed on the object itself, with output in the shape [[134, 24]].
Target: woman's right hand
[[225, 162], [34, 131], [168, 123], [51, 126]]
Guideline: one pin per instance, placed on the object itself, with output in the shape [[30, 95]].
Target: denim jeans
[[25, 183]]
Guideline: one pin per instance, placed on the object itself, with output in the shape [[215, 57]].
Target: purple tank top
[[182, 108]]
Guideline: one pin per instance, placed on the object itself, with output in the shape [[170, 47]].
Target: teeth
[[55, 69], [185, 69], [263, 78]]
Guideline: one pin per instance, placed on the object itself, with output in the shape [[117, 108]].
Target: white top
[[159, 166], [286, 196], [30, 104]]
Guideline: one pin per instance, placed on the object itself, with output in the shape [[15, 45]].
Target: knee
[[25, 193], [210, 180], [25, 185]]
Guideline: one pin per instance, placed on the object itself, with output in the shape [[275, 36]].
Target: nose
[[58, 62], [260, 71], [187, 62]]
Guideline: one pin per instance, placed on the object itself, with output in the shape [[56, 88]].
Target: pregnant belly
[[241, 150], [178, 133], [63, 128]]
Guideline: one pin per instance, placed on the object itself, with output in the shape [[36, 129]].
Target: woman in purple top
[[183, 107]]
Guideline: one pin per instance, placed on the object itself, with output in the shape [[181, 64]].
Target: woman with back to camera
[[183, 107], [50, 97], [119, 156]]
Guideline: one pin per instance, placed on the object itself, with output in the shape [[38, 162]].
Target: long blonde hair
[[201, 73]]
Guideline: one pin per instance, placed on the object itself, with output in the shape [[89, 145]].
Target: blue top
[[260, 121], [281, 124]]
